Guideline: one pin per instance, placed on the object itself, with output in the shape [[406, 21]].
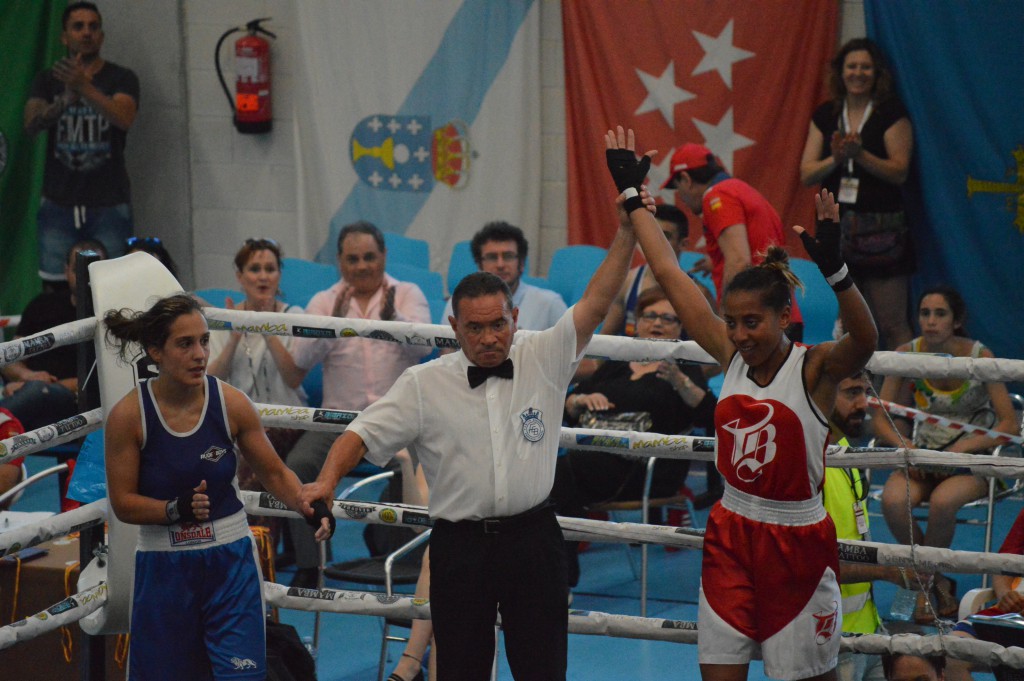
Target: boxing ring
[[102, 603]]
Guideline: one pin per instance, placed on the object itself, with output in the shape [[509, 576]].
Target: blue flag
[[958, 70]]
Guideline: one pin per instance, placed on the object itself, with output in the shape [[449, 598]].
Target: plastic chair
[[460, 264], [817, 302], [644, 505], [405, 250], [429, 282], [216, 297], [687, 260], [302, 279], [976, 600], [14, 493], [571, 268]]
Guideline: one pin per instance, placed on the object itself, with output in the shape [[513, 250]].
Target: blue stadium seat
[[429, 282], [571, 269], [302, 279], [460, 264], [405, 250], [437, 306], [313, 384], [817, 303], [217, 296]]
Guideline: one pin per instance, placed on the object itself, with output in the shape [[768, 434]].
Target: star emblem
[[662, 93], [722, 139], [720, 54]]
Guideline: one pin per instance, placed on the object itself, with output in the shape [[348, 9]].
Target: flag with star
[[739, 76], [965, 193]]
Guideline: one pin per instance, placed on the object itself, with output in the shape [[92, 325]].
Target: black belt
[[500, 525]]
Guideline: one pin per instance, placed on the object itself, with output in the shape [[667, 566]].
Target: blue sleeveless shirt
[[172, 463]]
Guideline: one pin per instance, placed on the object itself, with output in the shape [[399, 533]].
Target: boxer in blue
[[171, 446]]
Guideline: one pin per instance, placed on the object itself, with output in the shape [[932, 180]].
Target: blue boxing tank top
[[172, 463]]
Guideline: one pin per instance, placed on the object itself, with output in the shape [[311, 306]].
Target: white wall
[[204, 188]]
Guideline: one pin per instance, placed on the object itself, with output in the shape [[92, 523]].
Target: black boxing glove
[[180, 510], [628, 172], [824, 250], [320, 511]]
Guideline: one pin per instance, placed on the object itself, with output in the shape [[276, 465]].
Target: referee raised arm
[[484, 425]]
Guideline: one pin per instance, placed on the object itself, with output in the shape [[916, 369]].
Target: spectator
[[501, 249], [621, 319], [941, 314], [155, 247], [10, 472], [858, 147], [907, 667], [739, 223], [88, 105], [43, 388], [357, 371], [675, 399]]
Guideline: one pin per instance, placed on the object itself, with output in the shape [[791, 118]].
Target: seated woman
[[941, 314], [155, 247], [676, 398]]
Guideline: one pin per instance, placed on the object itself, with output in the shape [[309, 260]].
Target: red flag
[[739, 76]]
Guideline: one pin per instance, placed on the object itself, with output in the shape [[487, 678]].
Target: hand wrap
[[180, 510], [824, 251], [320, 511], [628, 172]]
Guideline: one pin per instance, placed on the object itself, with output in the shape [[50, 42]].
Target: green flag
[[30, 33]]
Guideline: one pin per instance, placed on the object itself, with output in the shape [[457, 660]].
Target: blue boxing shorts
[[198, 610]]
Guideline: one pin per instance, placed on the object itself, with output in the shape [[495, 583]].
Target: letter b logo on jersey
[[754, 445]]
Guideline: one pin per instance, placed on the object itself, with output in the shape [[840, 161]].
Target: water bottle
[[903, 605], [308, 642]]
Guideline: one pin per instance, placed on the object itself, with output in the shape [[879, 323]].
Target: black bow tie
[[478, 375]]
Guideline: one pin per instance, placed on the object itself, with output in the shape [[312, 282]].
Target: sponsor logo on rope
[[189, 534], [33, 346], [416, 339], [312, 332], [46, 433], [265, 327], [70, 424], [348, 332], [852, 553], [355, 511], [704, 445], [21, 441], [420, 601], [63, 606], [377, 334], [679, 624], [12, 353], [213, 454], [384, 599], [669, 442], [321, 595], [603, 441], [825, 624], [443, 342], [268, 500], [218, 325], [387, 515], [333, 416], [294, 412], [416, 518], [243, 663], [3, 449]]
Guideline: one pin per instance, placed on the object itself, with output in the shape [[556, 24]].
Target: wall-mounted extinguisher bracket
[[251, 102]]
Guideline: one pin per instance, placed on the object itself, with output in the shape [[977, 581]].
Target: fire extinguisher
[[251, 103]]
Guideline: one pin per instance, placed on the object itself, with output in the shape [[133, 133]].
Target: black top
[[43, 312], [85, 151], [874, 194]]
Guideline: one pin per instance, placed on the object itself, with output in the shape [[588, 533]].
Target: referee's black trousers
[[515, 566]]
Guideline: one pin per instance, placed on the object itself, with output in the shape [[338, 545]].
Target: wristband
[[633, 200], [171, 509], [841, 280]]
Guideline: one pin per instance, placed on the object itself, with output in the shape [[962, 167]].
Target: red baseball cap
[[687, 157]]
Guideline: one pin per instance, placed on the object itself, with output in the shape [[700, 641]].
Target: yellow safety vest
[[843, 487]]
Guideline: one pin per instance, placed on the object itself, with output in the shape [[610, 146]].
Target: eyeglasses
[[665, 318], [510, 256], [262, 243], [143, 241]]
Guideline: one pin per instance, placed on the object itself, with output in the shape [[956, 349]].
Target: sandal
[[922, 613], [945, 595], [395, 676]]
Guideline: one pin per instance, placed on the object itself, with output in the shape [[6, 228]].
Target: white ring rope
[[611, 347], [925, 417], [925, 558], [71, 609], [55, 337], [41, 439], [54, 527]]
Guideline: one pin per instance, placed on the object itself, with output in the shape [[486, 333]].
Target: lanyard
[[846, 126]]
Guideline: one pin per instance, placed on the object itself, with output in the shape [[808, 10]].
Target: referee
[[484, 424]]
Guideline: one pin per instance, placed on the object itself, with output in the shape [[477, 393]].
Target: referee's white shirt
[[489, 451]]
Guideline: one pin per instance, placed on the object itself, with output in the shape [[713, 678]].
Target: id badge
[[861, 517], [848, 188]]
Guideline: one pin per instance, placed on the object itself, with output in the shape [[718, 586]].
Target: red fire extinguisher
[[251, 102]]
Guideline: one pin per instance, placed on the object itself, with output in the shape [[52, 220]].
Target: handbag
[[874, 239]]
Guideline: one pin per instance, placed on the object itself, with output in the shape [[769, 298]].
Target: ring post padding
[[134, 281]]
